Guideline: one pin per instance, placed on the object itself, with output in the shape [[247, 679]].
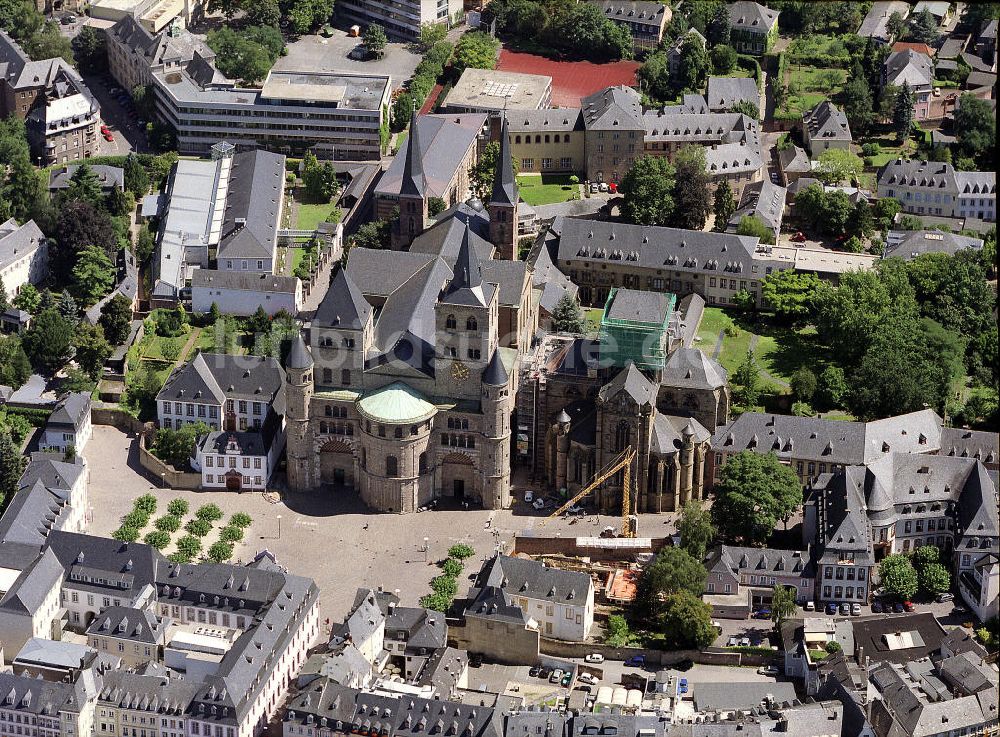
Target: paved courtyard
[[316, 53], [330, 537]]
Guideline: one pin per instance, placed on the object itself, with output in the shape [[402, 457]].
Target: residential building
[[875, 24], [135, 54], [724, 92], [445, 147], [935, 188], [401, 19], [552, 140], [764, 201], [60, 113], [615, 128], [491, 91], [51, 495], [794, 164], [916, 71], [69, 427], [238, 461], [54, 708], [645, 20], [230, 393], [940, 9], [908, 244], [560, 602], [24, 255], [980, 586], [825, 127], [137, 636], [148, 696], [108, 177], [753, 27], [733, 569], [241, 293]]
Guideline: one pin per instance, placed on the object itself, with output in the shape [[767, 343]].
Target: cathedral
[[406, 389]]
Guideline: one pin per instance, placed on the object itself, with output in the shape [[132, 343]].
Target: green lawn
[[310, 215], [298, 253], [545, 189], [592, 318], [809, 86]]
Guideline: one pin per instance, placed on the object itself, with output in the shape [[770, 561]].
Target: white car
[[855, 609], [529, 496], [539, 504], [588, 678], [594, 658], [810, 606]]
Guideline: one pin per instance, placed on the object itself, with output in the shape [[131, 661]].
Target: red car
[[799, 237], [108, 136], [105, 130], [908, 606]]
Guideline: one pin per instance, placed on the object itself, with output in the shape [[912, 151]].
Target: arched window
[[450, 323], [328, 411], [622, 433], [517, 139], [538, 139], [327, 376], [546, 137], [391, 467], [422, 464], [471, 324], [345, 376], [555, 138], [397, 432]]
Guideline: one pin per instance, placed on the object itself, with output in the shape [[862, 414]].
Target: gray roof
[[724, 92], [870, 632], [909, 67], [299, 357], [639, 306], [412, 182], [18, 240], [827, 122], [35, 696], [729, 696], [71, 411], [249, 443], [908, 244], [344, 304], [752, 16], [126, 623], [108, 176], [154, 690], [250, 224], [495, 374], [533, 580], [670, 433], [54, 653], [33, 512], [967, 671], [874, 24], [759, 561], [443, 141], [466, 286], [765, 201], [632, 382], [27, 594], [246, 281], [976, 182], [557, 120], [635, 11], [980, 444], [613, 108], [690, 368], [504, 184], [915, 173], [214, 377]]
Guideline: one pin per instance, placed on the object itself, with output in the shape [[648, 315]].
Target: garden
[[805, 87], [548, 189], [182, 536]]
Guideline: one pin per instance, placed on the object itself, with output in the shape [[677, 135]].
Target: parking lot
[[118, 114], [320, 54]]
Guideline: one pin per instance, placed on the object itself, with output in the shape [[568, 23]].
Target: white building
[[980, 586], [236, 293], [237, 461], [24, 255], [400, 18], [69, 426]]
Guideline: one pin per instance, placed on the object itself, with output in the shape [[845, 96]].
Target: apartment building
[[825, 127], [935, 188], [69, 426], [60, 113], [753, 27], [151, 702], [51, 708], [401, 19], [135, 54], [915, 70], [645, 20], [137, 636], [24, 255], [732, 569]]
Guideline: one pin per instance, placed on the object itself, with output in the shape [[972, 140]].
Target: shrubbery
[[199, 527], [231, 534], [445, 586], [240, 519], [168, 523], [157, 538], [220, 552], [209, 513]]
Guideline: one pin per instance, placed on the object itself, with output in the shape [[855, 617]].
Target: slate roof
[[35, 696], [869, 634], [724, 92], [760, 561], [909, 244], [827, 122], [126, 623], [299, 357], [846, 527], [504, 184], [365, 619], [108, 176], [636, 11], [533, 580], [217, 377], [27, 594], [33, 512], [443, 141], [752, 16], [634, 383], [344, 304], [965, 443], [249, 443], [72, 411], [690, 368], [765, 201], [466, 286], [874, 24], [639, 306], [246, 281], [915, 173], [910, 67], [254, 196], [154, 691], [669, 433], [613, 108], [968, 672], [495, 374], [493, 602], [728, 696]]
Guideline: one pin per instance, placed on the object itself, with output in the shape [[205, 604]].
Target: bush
[[168, 523], [199, 527], [446, 585], [833, 647], [231, 534], [452, 567], [437, 602], [240, 519], [220, 552], [461, 551], [209, 513], [145, 503], [126, 533], [157, 538], [178, 507], [136, 519], [871, 149], [189, 546], [732, 331]]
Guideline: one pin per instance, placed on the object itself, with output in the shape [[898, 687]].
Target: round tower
[[298, 394], [496, 404]]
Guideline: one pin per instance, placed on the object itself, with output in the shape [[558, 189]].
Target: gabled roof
[[533, 580], [214, 377], [828, 122], [343, 305], [17, 241], [250, 225], [724, 92], [909, 244], [752, 16], [504, 184], [613, 108], [71, 411], [126, 623], [632, 382], [909, 67], [466, 286], [690, 368]]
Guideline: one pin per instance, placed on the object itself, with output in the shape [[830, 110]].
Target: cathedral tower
[[413, 215], [298, 393], [503, 202]]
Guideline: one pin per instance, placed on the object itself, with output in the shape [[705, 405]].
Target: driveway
[[125, 131]]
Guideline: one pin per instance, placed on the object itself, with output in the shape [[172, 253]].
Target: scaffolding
[[641, 341]]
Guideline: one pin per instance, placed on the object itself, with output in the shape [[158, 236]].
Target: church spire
[[413, 167], [504, 184]]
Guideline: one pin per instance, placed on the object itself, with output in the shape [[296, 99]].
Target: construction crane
[[622, 462]]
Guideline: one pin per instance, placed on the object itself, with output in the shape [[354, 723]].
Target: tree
[[744, 301], [895, 25], [67, 307], [898, 576], [435, 206], [975, 129], [747, 376], [718, 28], [119, 202], [374, 40], [673, 570], [833, 647], [782, 605], [809, 205], [136, 176], [692, 202], [618, 633], [49, 340], [724, 205], [93, 275], [754, 493], [116, 319], [835, 165], [481, 175], [459, 551], [790, 293], [477, 50], [857, 98], [12, 465], [923, 28], [374, 234], [567, 317], [925, 555], [837, 211], [831, 387], [432, 33], [902, 112], [885, 211], [90, 50], [319, 178], [746, 107], [648, 191], [753, 226], [4, 301], [687, 621], [654, 77], [92, 350], [249, 54], [15, 368], [695, 528], [803, 383], [79, 226], [692, 70], [84, 185]]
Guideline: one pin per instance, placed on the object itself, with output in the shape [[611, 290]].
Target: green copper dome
[[397, 404]]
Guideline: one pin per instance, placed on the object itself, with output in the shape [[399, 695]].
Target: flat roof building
[[490, 91]]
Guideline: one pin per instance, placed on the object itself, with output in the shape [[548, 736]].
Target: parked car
[[897, 608], [831, 608], [810, 606], [855, 609], [539, 504], [594, 658], [545, 672], [799, 237], [534, 670], [556, 676], [908, 606], [108, 136], [636, 660], [682, 686], [105, 129], [529, 496], [585, 689], [68, 20], [845, 608], [567, 679], [733, 641], [588, 678], [958, 609], [942, 598], [604, 186], [762, 614], [595, 187], [768, 670], [744, 642], [877, 606]]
